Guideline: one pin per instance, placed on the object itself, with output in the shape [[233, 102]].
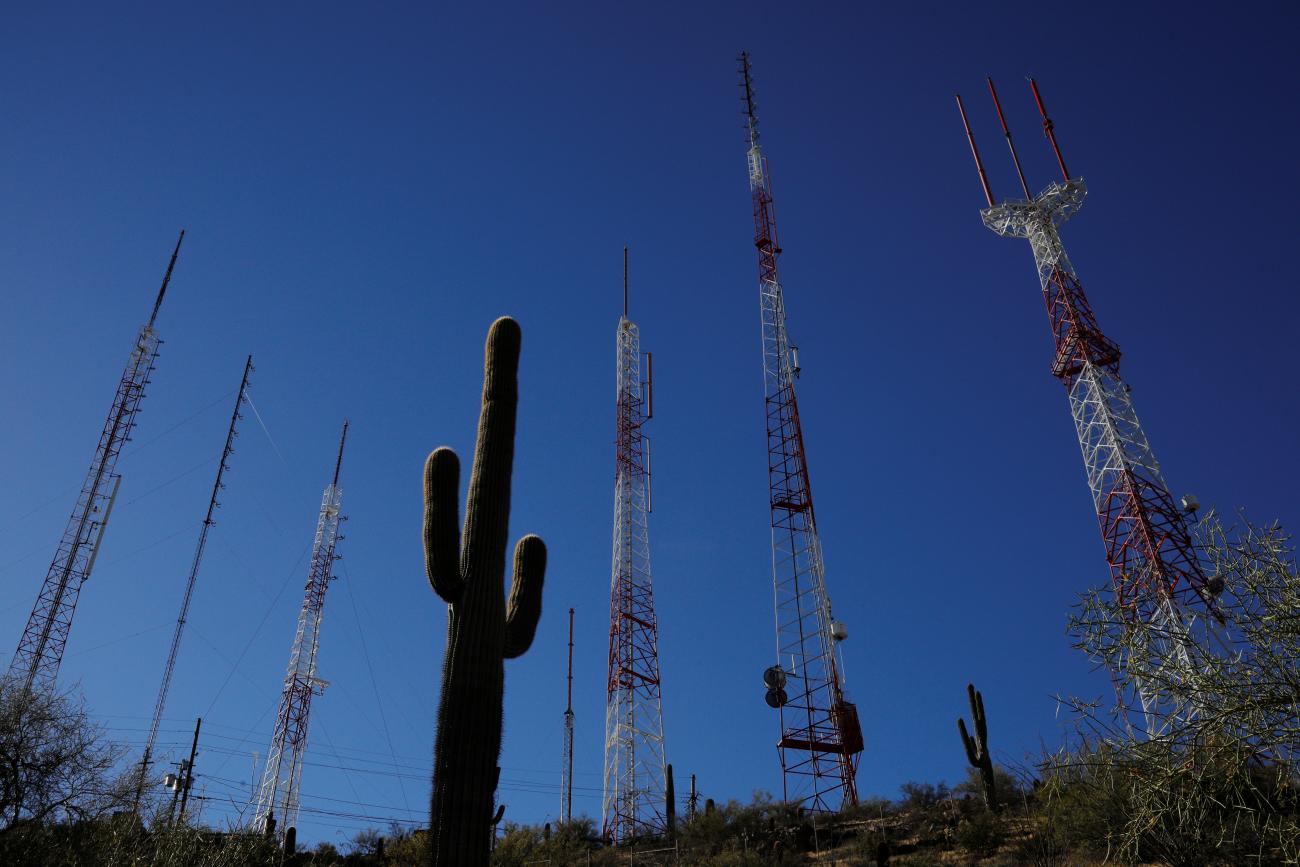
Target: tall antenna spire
[[751, 108], [820, 732], [625, 281], [39, 655], [566, 768], [167, 278], [208, 520], [635, 775], [279, 794]]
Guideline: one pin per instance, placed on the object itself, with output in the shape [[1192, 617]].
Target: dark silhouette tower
[[40, 650], [208, 520]]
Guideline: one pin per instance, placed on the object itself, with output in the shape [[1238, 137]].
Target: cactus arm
[[972, 754], [441, 524], [487, 510], [525, 605]]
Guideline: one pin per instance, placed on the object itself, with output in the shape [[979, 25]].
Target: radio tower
[[226, 451], [40, 650], [277, 800], [566, 769], [633, 804], [1155, 572], [820, 733]]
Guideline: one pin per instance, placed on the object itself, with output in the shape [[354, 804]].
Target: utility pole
[[40, 650], [1156, 575], [185, 778], [279, 793], [821, 737], [208, 520], [633, 802], [566, 771]]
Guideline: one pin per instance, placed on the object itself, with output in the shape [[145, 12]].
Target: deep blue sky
[[366, 191]]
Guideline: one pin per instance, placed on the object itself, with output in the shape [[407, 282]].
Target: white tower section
[[278, 795], [633, 804]]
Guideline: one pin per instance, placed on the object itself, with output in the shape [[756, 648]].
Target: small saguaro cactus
[[670, 803], [977, 748], [483, 629]]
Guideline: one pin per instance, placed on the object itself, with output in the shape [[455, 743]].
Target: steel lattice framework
[[820, 733], [1155, 572], [40, 650], [277, 799], [173, 650], [633, 804]]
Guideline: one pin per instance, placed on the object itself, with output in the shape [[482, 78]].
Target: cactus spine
[[977, 748], [483, 629]]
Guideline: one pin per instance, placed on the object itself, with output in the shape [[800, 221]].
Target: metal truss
[[40, 649], [820, 732], [1157, 578], [278, 796], [633, 804]]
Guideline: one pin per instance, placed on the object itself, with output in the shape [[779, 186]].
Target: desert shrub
[[982, 834], [921, 796]]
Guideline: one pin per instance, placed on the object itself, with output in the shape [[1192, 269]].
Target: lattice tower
[[820, 733], [1155, 572], [279, 793], [566, 759], [40, 650], [633, 804], [208, 520]]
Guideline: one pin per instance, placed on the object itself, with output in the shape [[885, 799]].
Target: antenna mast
[[1155, 571], [40, 650], [566, 768], [277, 799], [633, 804], [820, 733], [226, 451]]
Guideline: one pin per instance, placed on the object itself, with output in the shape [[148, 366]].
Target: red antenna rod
[[1015, 158], [979, 163], [1049, 129]]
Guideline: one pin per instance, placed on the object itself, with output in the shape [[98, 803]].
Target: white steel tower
[[633, 804], [277, 799]]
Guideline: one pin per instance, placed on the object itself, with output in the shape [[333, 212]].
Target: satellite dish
[[774, 678], [776, 697], [839, 631]]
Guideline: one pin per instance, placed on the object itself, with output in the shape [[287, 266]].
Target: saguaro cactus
[[483, 629], [977, 748], [670, 803]]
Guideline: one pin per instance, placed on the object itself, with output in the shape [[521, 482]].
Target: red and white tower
[[277, 799], [1154, 569], [633, 804], [40, 650], [820, 733]]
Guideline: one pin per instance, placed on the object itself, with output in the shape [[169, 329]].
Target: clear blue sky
[[366, 191]]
